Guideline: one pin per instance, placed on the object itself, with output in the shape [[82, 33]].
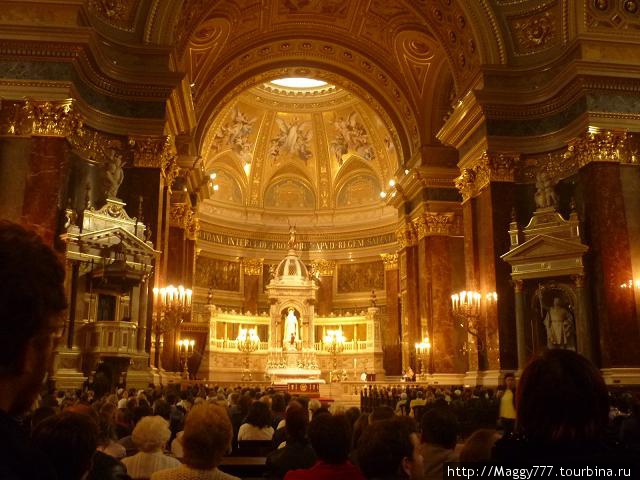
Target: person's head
[[31, 302], [296, 421], [259, 415], [151, 434], [277, 404], [391, 448], [314, 404], [561, 397], [381, 413], [69, 441], [207, 436], [510, 381], [330, 437], [478, 446], [440, 427]]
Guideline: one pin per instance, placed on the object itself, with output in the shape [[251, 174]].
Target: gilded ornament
[[439, 223], [325, 268], [117, 13], [406, 236], [601, 146], [390, 261], [55, 119], [252, 266], [16, 118], [534, 33]]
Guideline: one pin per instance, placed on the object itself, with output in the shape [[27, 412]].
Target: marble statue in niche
[[350, 136], [545, 196], [293, 138], [559, 324], [113, 175], [556, 311]]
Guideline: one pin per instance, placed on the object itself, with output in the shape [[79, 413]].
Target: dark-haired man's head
[[330, 437], [32, 299], [296, 421], [440, 427], [391, 449], [69, 441], [562, 397]]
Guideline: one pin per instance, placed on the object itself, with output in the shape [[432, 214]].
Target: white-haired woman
[[150, 436]]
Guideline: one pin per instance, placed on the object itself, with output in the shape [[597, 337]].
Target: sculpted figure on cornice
[[294, 138], [113, 175], [351, 136], [545, 196]]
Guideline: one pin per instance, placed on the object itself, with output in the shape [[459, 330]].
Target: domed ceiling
[[299, 149]]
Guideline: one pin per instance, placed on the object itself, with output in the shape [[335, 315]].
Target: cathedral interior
[[309, 191]]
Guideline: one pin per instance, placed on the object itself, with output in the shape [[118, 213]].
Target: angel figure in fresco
[[294, 138], [351, 135]]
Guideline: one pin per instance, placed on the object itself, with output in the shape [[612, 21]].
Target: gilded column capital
[[390, 261], [490, 167], [518, 285], [406, 235], [252, 266], [47, 119], [192, 226], [156, 152], [182, 216], [325, 268], [599, 146]]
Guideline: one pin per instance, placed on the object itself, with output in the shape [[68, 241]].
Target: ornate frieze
[[491, 167], [603, 146], [406, 236], [325, 268], [390, 261], [252, 266], [47, 119]]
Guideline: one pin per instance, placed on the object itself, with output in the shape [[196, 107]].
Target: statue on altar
[[291, 331], [545, 196]]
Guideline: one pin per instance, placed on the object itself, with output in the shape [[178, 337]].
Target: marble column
[[409, 295], [251, 271], [489, 194], [584, 339], [390, 330], [437, 264], [609, 263], [324, 296], [46, 178], [521, 338]]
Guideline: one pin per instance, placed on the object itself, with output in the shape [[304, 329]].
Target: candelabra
[[421, 348], [186, 349], [333, 342], [247, 342], [170, 305], [467, 306]]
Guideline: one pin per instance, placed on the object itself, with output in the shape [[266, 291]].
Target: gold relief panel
[[360, 277], [325, 268], [360, 190], [217, 274], [390, 261], [289, 193], [538, 30], [252, 266]]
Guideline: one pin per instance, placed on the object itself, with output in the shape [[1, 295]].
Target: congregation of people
[[560, 409]]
